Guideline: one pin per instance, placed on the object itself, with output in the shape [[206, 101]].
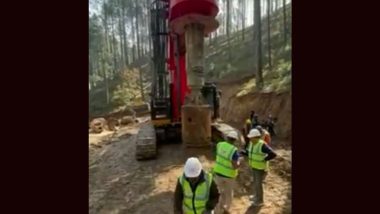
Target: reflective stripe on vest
[[224, 154], [256, 156], [194, 204]]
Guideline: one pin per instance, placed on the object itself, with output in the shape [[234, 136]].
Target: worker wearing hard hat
[[196, 191], [254, 120], [248, 124], [225, 170], [251, 122], [270, 124], [259, 153], [265, 136]]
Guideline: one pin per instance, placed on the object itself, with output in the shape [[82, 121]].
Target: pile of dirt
[[282, 164]]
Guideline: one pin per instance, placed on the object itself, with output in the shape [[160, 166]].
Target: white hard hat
[[233, 134], [254, 133], [193, 167]]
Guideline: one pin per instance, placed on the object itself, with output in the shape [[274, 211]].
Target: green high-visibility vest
[[256, 156], [223, 165], [195, 203]]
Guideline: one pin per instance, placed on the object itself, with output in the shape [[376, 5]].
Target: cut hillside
[[236, 77]]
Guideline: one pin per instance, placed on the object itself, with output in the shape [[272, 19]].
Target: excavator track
[[146, 143]]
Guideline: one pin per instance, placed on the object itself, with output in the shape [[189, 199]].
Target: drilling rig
[[184, 106]]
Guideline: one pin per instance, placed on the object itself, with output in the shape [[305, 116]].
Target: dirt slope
[[235, 110]]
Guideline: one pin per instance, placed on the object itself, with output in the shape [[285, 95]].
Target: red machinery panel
[[183, 7], [178, 77], [182, 12]]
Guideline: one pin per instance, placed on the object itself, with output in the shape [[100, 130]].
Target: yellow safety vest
[[256, 156], [223, 165], [195, 203]]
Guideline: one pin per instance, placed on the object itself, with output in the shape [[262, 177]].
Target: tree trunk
[[98, 65], [145, 31], [284, 14], [114, 48], [106, 42], [137, 31], [133, 40], [91, 69], [257, 24], [121, 42], [126, 57], [243, 6], [134, 53], [142, 33], [141, 86], [105, 23], [268, 35], [105, 79], [148, 27], [122, 45], [228, 25], [216, 38]]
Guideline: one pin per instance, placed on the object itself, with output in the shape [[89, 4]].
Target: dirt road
[[118, 184]]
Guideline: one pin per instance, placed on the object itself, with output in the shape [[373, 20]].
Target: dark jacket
[[211, 203]]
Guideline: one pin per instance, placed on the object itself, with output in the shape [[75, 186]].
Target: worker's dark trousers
[[258, 192], [271, 131]]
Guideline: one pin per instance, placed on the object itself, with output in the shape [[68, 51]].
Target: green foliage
[[128, 92], [284, 68], [106, 53], [248, 87], [279, 79], [276, 78], [124, 90], [122, 96]]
